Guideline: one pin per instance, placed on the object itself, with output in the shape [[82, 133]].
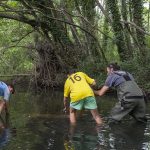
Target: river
[[37, 122]]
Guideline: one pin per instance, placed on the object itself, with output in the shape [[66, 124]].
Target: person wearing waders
[[130, 96]]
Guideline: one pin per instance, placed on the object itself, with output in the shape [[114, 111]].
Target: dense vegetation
[[45, 38]]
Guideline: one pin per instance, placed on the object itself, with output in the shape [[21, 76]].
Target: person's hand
[[65, 110]]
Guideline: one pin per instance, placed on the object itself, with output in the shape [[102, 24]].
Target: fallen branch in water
[[12, 75]]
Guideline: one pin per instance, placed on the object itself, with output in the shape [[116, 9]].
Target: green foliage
[[141, 73], [77, 33], [14, 56], [12, 3], [94, 69]]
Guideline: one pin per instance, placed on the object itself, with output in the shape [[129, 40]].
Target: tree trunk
[[137, 6], [126, 29], [118, 29]]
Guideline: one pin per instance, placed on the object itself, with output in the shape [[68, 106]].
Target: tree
[[118, 29], [46, 18]]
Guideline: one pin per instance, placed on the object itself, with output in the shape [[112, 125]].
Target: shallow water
[[38, 123]]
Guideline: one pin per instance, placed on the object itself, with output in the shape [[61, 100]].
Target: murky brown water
[[38, 123]]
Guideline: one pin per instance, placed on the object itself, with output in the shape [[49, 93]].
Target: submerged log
[[12, 75]]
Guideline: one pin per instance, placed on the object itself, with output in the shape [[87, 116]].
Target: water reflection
[[81, 137], [128, 136], [41, 125], [146, 144], [5, 130], [4, 136]]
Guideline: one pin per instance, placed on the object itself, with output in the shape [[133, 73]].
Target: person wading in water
[[77, 87], [130, 96]]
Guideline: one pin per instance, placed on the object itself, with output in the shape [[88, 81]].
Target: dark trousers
[[134, 107]]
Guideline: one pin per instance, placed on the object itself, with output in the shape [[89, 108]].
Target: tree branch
[[35, 23], [18, 41], [103, 11], [137, 27], [19, 18], [80, 16]]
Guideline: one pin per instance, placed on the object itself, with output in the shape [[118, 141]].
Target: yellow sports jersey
[[77, 86]]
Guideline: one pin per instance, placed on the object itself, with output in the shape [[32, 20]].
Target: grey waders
[[131, 101]]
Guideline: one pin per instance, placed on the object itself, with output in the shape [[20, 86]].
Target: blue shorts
[[87, 103]]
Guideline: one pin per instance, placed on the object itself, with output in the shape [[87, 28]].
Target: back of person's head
[[114, 66], [71, 71], [12, 87]]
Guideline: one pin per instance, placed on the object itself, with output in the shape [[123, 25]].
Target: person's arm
[[7, 107], [89, 80], [2, 105], [108, 84], [94, 83], [6, 100], [94, 86], [102, 91], [65, 104], [66, 95]]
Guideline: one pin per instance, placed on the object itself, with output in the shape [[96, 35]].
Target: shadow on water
[[37, 123], [5, 130]]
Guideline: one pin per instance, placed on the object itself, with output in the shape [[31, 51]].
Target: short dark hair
[[12, 86], [71, 71], [115, 66]]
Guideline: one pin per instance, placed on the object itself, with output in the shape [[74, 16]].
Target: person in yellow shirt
[[77, 87]]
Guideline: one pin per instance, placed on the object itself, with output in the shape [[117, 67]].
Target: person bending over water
[[5, 91], [130, 96], [77, 86]]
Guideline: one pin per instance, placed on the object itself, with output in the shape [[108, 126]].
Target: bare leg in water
[[96, 116]]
